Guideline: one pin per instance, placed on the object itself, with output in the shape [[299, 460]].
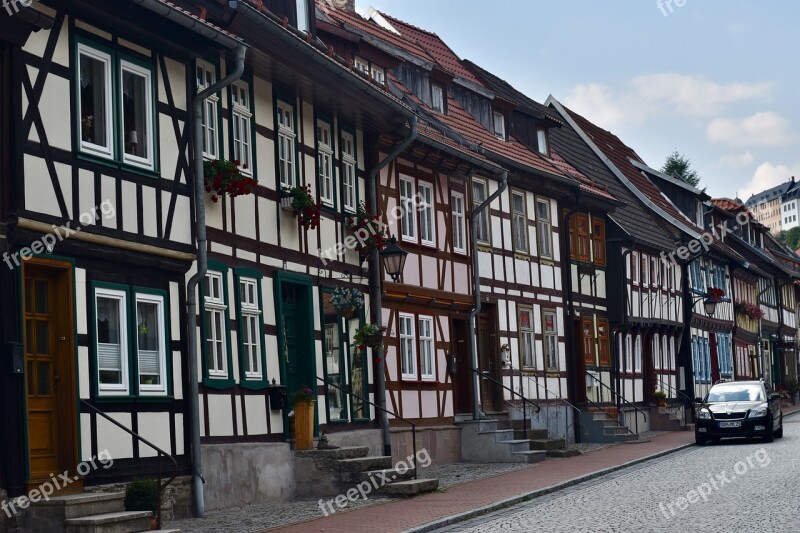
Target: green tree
[[781, 236], [680, 165], [793, 238]]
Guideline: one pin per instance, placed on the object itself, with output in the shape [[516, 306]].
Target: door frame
[[63, 267]]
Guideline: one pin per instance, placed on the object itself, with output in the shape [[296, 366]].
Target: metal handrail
[[513, 392], [387, 411], [685, 405], [619, 398], [158, 450]]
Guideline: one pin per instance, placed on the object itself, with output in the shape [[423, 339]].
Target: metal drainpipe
[[615, 340], [567, 275], [476, 293], [202, 268], [376, 290]]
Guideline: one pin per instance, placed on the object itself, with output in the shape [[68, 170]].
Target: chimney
[[345, 5]]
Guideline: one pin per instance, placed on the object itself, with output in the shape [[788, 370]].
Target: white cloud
[[661, 94], [761, 129], [766, 176], [737, 160]]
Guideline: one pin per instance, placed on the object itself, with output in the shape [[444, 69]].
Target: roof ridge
[[401, 21]]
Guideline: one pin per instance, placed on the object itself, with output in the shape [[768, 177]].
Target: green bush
[[142, 495]]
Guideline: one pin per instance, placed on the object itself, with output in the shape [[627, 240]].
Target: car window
[[735, 394]]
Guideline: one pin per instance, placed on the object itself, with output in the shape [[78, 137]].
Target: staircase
[[540, 439], [603, 426], [85, 513], [331, 472], [483, 442], [663, 420]]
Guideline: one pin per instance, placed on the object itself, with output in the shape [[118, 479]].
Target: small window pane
[[94, 82], [134, 113]]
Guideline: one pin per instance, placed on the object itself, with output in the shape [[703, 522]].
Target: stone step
[[517, 445], [347, 452], [535, 434], [529, 456], [462, 417], [78, 505], [516, 423], [567, 452], [410, 487], [119, 522], [392, 474], [500, 435], [548, 444], [615, 430], [360, 464]]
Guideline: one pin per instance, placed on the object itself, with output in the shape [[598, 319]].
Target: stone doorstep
[[391, 473], [85, 504], [499, 434], [109, 518], [121, 522], [548, 444], [410, 487], [349, 452], [361, 464]]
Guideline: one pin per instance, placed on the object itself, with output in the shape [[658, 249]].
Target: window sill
[[254, 384], [522, 256], [218, 383]]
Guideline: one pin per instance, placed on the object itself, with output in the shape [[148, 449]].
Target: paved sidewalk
[[470, 499]]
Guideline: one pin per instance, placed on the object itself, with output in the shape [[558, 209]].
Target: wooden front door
[[462, 380], [50, 372], [489, 361]]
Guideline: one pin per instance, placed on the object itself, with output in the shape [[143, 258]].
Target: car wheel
[[699, 440], [770, 436], [779, 433]]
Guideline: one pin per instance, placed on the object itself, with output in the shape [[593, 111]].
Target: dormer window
[[499, 125], [302, 15], [361, 65], [541, 142], [378, 74], [437, 98]]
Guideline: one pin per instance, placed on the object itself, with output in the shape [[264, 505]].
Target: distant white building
[[790, 207], [777, 208]]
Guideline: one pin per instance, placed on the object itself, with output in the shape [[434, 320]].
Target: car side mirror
[[698, 400], [774, 396]]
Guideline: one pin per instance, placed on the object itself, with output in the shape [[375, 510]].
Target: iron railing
[[678, 393], [525, 400], [387, 411], [619, 400], [547, 399], [159, 451]]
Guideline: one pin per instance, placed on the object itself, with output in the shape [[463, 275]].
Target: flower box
[[286, 203]]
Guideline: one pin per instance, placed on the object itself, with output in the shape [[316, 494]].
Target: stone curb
[[521, 498]]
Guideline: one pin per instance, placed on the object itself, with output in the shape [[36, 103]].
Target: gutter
[[191, 23], [376, 290], [476, 292]]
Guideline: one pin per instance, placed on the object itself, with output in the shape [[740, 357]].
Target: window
[[426, 347], [286, 145], [541, 142], [604, 353], [637, 360], [544, 228], [519, 220], [302, 15], [409, 220], [250, 328], [349, 190], [672, 353], [437, 98], [112, 341], [599, 241], [325, 164], [550, 340], [635, 268], [655, 272], [206, 77], [579, 237], [408, 355], [215, 325], [628, 353], [645, 270], [724, 355], [377, 74], [656, 352], [620, 352], [151, 349], [587, 333], [361, 65], [95, 107], [499, 124], [526, 337], [426, 216], [698, 282], [665, 355], [115, 107], [459, 222], [242, 116], [479, 196]]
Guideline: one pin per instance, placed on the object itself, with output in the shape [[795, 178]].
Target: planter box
[[286, 202], [373, 341]]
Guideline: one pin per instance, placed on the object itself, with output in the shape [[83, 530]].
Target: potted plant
[[715, 294], [143, 495], [224, 177], [368, 230], [749, 309], [369, 335], [303, 401], [347, 301], [302, 204], [660, 397], [792, 387]]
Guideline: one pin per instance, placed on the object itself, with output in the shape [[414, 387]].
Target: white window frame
[[519, 223], [544, 228], [327, 183], [378, 74], [628, 353], [427, 348], [637, 354], [106, 152], [656, 351], [665, 357], [349, 173], [106, 389], [161, 388], [437, 98], [499, 124], [210, 123], [408, 342], [635, 268], [484, 215], [251, 316], [148, 162], [459, 222], [301, 14], [287, 138], [541, 142], [216, 304], [409, 219], [242, 114], [547, 337], [361, 65], [427, 215], [527, 338]]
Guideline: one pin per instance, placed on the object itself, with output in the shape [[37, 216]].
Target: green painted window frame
[[248, 80], [117, 55], [208, 380], [167, 328], [344, 129], [328, 121], [291, 101], [245, 382]]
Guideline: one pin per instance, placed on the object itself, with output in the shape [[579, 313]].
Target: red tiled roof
[[726, 204]]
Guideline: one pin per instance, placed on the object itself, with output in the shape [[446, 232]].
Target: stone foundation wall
[[177, 502], [360, 437], [443, 443]]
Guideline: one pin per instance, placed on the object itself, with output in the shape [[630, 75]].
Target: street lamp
[[710, 306], [394, 259]]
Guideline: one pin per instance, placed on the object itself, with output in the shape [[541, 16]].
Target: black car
[[738, 409]]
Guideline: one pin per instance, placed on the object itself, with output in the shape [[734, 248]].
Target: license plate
[[736, 424]]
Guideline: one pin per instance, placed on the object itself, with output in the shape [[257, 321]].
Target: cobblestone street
[[761, 494]]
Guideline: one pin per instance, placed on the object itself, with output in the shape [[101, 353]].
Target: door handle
[[56, 379]]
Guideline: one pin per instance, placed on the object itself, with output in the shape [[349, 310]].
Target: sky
[[716, 80]]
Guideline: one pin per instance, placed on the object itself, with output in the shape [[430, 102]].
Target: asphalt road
[[735, 486]]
